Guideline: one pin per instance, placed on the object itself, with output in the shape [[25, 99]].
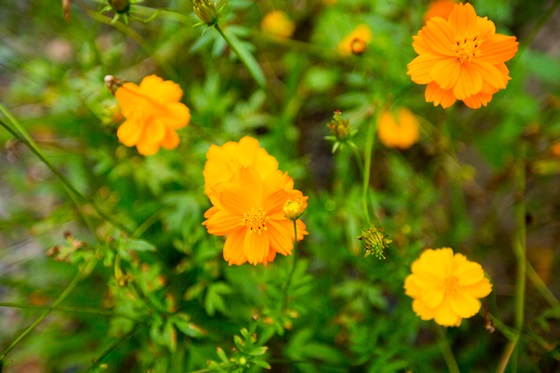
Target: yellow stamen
[[467, 47], [255, 220]]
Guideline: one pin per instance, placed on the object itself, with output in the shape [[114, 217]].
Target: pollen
[[467, 47], [451, 285], [255, 220]]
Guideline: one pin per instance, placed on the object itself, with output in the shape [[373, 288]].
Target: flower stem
[[287, 286], [55, 304], [368, 151], [519, 249], [447, 352]]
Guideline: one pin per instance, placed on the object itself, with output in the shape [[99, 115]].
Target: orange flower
[[223, 161], [356, 41], [461, 58], [249, 211], [402, 133], [446, 287], [153, 114], [278, 24], [439, 8]]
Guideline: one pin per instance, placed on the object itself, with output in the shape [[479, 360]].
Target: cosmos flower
[[248, 210], [153, 114], [278, 24], [461, 58], [446, 287], [398, 131], [356, 42]]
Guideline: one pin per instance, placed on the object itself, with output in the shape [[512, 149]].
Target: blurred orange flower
[[223, 161], [278, 24], [356, 41], [400, 133], [153, 114], [439, 8], [446, 287], [461, 58], [249, 211]]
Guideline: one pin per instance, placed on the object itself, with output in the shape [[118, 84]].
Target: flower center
[[467, 47], [451, 285], [255, 220]]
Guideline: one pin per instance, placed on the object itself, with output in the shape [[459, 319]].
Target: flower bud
[[358, 46], [294, 209], [339, 127], [375, 241], [120, 6], [206, 11]]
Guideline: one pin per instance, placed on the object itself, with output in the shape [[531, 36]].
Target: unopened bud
[[206, 11], [294, 209], [375, 241], [358, 46], [120, 6], [339, 127]]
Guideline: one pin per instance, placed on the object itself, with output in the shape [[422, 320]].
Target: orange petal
[[479, 290], [130, 131], [491, 74], [176, 115], [422, 310], [498, 49], [233, 248], [171, 139], [255, 247], [439, 36], [236, 201], [222, 223], [469, 82], [464, 305], [159, 90], [280, 238], [420, 67], [446, 73], [478, 100], [438, 96], [445, 315], [463, 18], [130, 98], [147, 148]]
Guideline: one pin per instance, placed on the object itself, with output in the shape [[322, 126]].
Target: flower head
[[206, 11], [249, 211], [461, 58], [224, 161], [446, 287], [439, 8], [278, 24], [400, 133], [293, 209], [153, 114], [356, 41]]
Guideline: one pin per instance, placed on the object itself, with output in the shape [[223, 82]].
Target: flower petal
[[438, 96], [491, 74], [171, 139], [446, 73], [161, 91], [462, 19], [497, 49], [233, 248], [176, 115], [419, 68], [445, 315], [464, 305], [255, 247], [222, 223], [280, 239], [469, 82], [439, 36], [129, 132]]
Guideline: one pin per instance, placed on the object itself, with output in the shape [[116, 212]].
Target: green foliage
[[103, 255]]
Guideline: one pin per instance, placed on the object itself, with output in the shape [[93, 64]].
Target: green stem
[[245, 57], [110, 348], [447, 352], [55, 304], [520, 251], [78, 199], [368, 151], [287, 287], [541, 286], [79, 310]]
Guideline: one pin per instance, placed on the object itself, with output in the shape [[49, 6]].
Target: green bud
[[206, 11], [120, 6], [375, 241]]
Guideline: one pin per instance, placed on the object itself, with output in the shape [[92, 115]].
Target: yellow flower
[[293, 209], [439, 8], [153, 114], [461, 58], [356, 41], [278, 24], [223, 161], [249, 211], [446, 287], [400, 133]]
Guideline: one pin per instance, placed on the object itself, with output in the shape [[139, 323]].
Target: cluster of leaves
[[151, 290]]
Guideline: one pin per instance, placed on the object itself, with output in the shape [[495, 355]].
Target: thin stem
[[286, 288], [541, 286], [368, 151], [447, 352], [79, 310], [55, 304], [78, 198], [112, 346]]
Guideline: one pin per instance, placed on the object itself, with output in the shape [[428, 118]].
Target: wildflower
[[293, 209], [446, 287], [206, 11], [224, 161], [375, 241], [401, 133], [358, 39], [153, 114], [278, 24], [249, 211], [461, 58], [340, 130], [439, 8]]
